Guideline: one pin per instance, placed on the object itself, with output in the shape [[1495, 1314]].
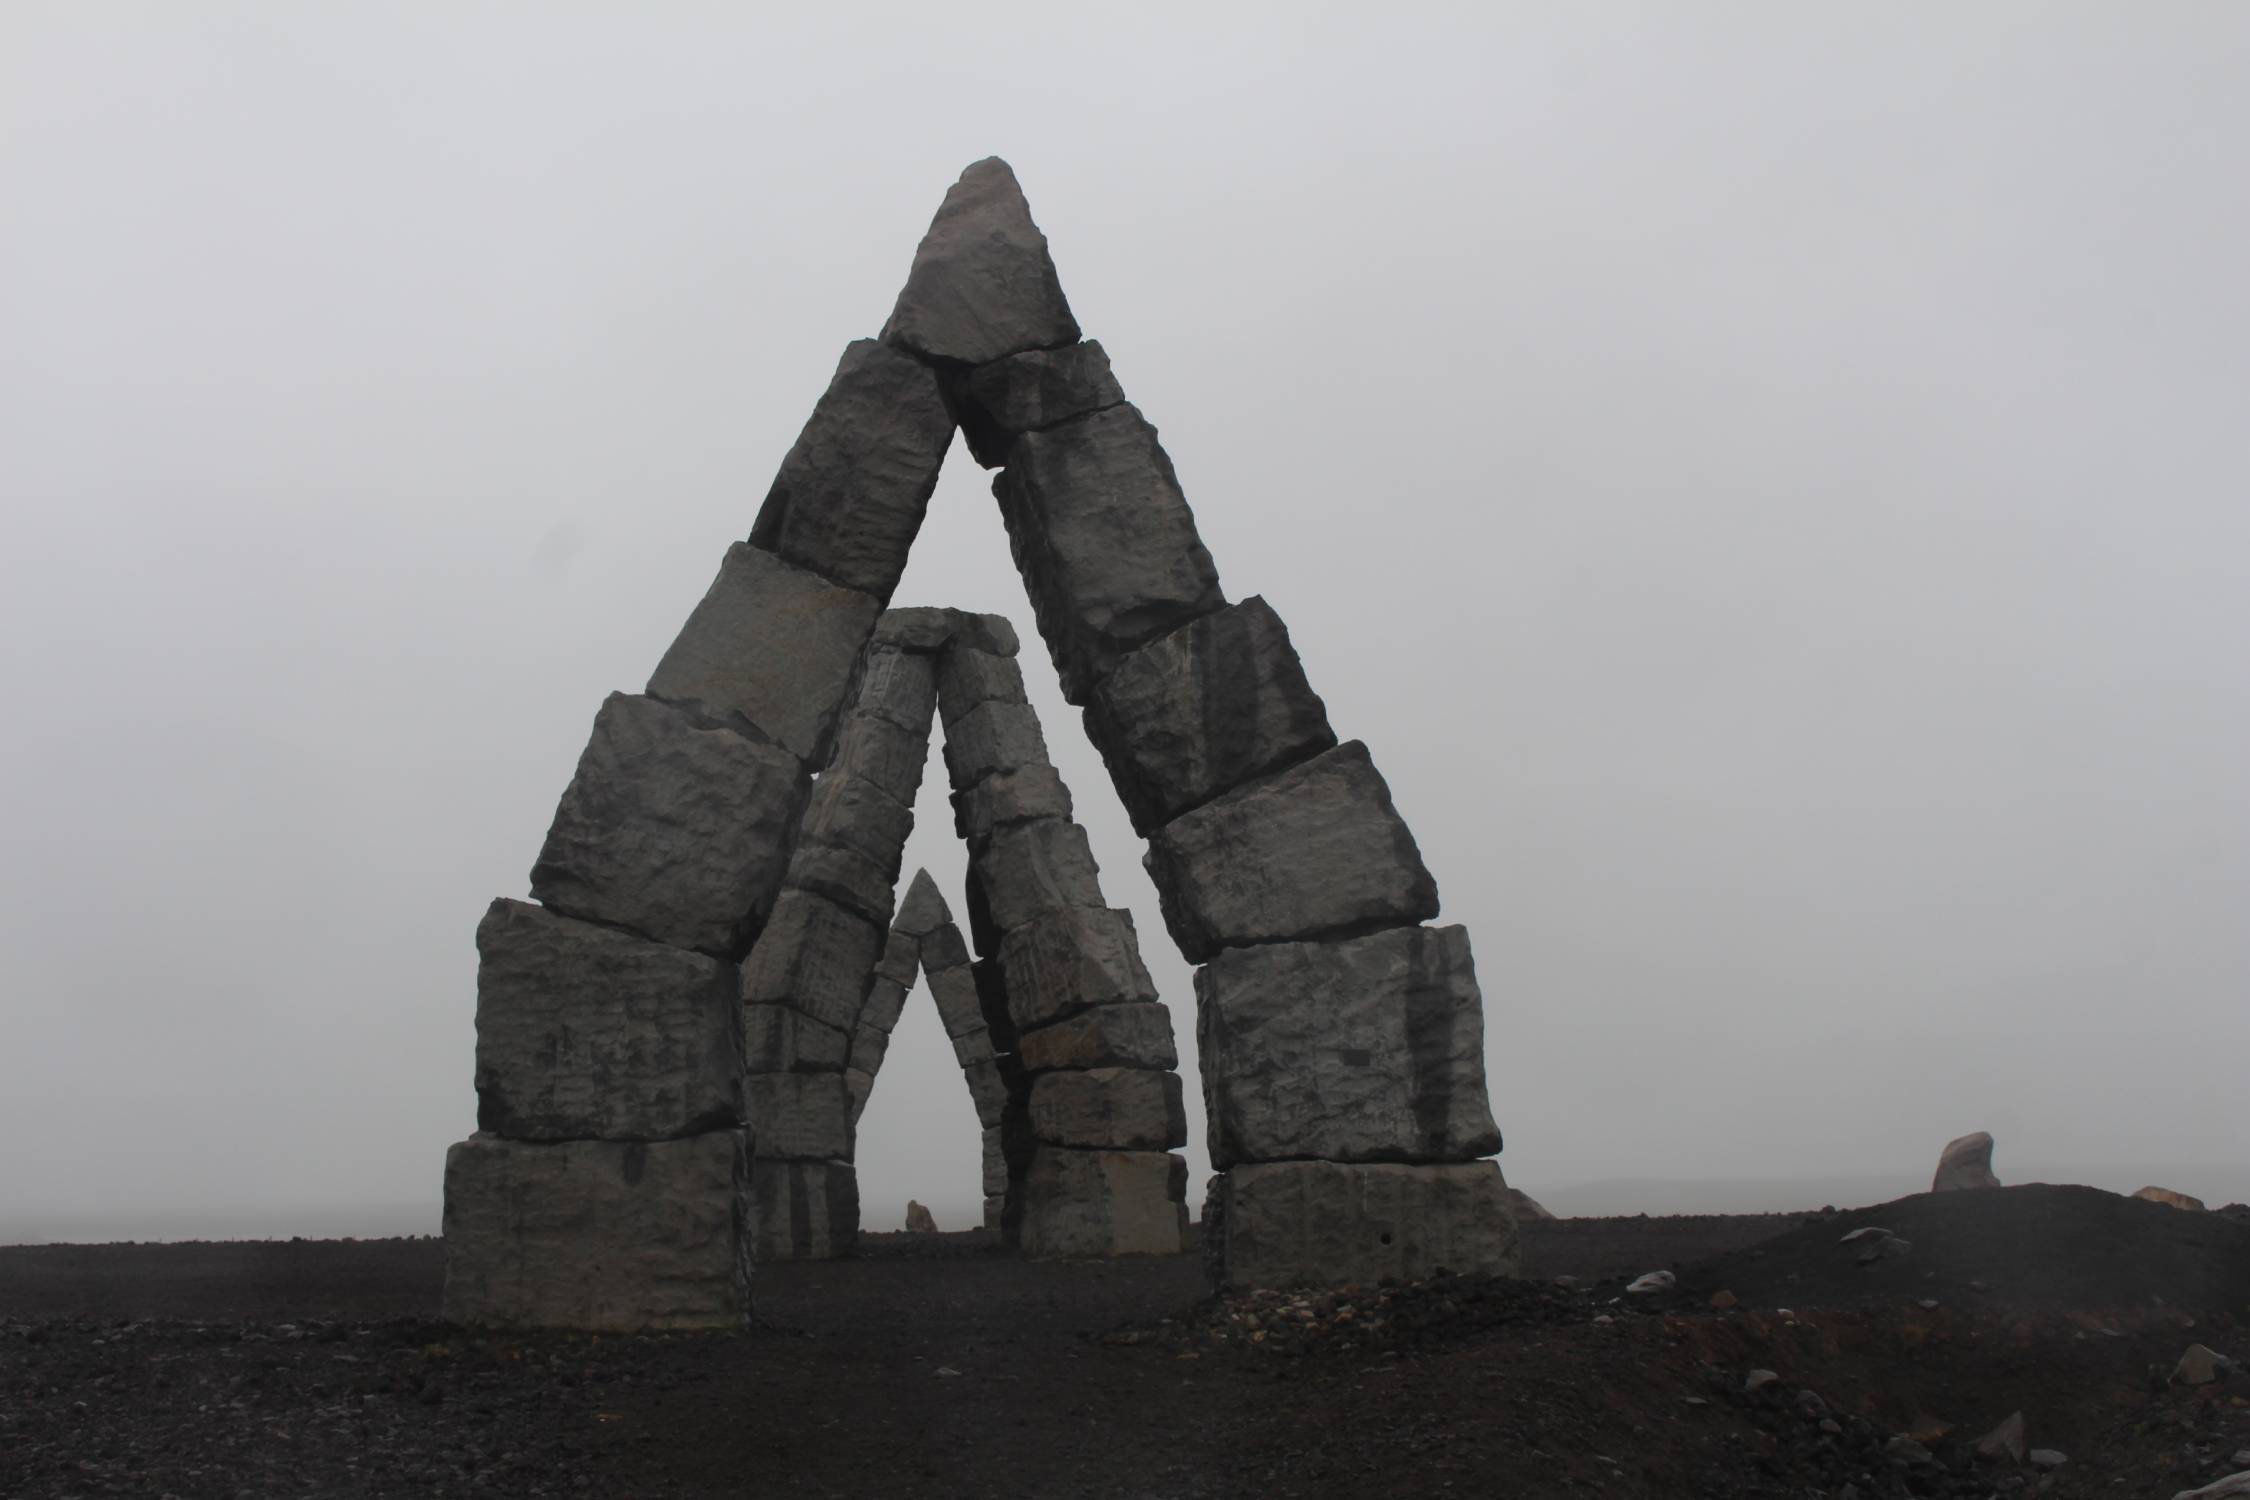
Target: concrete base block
[[1318, 1223]]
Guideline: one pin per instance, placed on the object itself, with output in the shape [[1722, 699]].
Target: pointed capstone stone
[[851, 494], [923, 911], [983, 285]]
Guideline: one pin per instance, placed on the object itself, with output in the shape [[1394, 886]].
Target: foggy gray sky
[[1768, 482]]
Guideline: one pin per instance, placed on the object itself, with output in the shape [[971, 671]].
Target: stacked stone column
[[1341, 1039]]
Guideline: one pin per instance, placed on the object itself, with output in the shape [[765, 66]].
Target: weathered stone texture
[[879, 751], [771, 646], [992, 1000], [983, 285], [671, 827], [995, 1164], [967, 679], [998, 402], [942, 948], [780, 1038], [897, 686], [1311, 1223], [844, 876], [613, 1236], [920, 914], [988, 1087], [806, 1116], [1198, 712], [1070, 959], [1965, 1163], [1109, 1109], [955, 991], [585, 1031], [1074, 1204], [859, 1083], [1370, 1049], [1010, 797], [851, 493], [852, 812], [869, 1043], [972, 1046], [995, 1213], [1104, 540], [925, 631], [1026, 869], [816, 956], [803, 1210], [902, 961], [1308, 852], [1106, 1036], [990, 738]]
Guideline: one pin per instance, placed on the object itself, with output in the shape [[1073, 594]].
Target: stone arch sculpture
[[610, 1181]]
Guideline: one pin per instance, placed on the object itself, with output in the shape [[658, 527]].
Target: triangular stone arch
[[1341, 1039]]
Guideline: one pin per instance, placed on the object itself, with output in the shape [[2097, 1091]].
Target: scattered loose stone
[[2200, 1365], [1652, 1282], [2168, 1197], [2046, 1458], [2005, 1441], [1758, 1380]]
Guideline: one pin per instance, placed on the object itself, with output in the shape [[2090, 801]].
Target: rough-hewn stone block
[[995, 1213], [897, 686], [1106, 1036], [926, 631], [972, 1046], [1081, 1204], [942, 948], [1070, 959], [586, 1031], [1370, 1049], [859, 1083], [983, 285], [803, 1210], [995, 1164], [1010, 797], [771, 646], [671, 827], [844, 876], [1313, 1223], [921, 913], [991, 738], [869, 1043], [1308, 852], [612, 1236], [816, 956], [1109, 1109], [1026, 869], [851, 494], [879, 751], [852, 812], [968, 679], [1104, 540], [805, 1116], [780, 1038], [955, 991], [998, 402], [902, 960], [1195, 713], [987, 1078]]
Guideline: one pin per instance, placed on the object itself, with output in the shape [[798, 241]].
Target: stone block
[[988, 1088], [844, 876], [779, 1038], [1318, 1223], [672, 827], [972, 1046], [926, 631], [884, 1004], [1368, 1049], [995, 1165], [968, 679], [992, 1000], [852, 812], [879, 751], [869, 1043], [804, 1116], [983, 285], [921, 913], [608, 1236], [1074, 1205], [852, 491], [995, 1213], [816, 956], [1071, 959], [942, 948], [897, 686], [1104, 540], [1218, 702], [860, 1084], [955, 991], [1312, 851], [585, 1031], [1133, 1035], [803, 1210], [991, 738], [772, 647], [901, 962], [1028, 869], [1109, 1109], [998, 402], [1009, 797]]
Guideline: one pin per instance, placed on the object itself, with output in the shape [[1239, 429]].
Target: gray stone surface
[[1109, 1109], [1068, 960], [968, 678], [780, 1038], [803, 1116], [851, 493], [1104, 540], [803, 1210], [853, 812], [955, 991], [1074, 1205], [995, 1213], [886, 999], [1308, 852], [1370, 1049], [1026, 869], [897, 686], [1314, 1223], [988, 1088], [671, 827], [1000, 401], [995, 1165], [771, 646], [924, 630], [585, 1031], [816, 956], [991, 738], [610, 1236], [1965, 1163], [1198, 712], [921, 913], [869, 1043], [972, 1046], [859, 1083], [1010, 797], [843, 876], [1106, 1036], [982, 285], [874, 748], [942, 948]]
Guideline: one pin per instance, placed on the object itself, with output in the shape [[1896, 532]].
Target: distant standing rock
[[918, 1220], [1524, 1206], [1965, 1163], [2166, 1195]]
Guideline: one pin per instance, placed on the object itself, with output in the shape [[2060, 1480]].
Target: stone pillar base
[[1074, 1205], [803, 1210], [1319, 1223]]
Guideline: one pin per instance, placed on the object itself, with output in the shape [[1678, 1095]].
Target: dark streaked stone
[[998, 402], [1070, 959], [1131, 1035], [992, 738], [804, 1116], [1109, 1109], [1073, 1205], [816, 956], [1314, 1223], [782, 1039], [1026, 869], [1009, 797], [803, 1210]]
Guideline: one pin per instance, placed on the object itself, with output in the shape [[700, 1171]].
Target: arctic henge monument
[[675, 1034]]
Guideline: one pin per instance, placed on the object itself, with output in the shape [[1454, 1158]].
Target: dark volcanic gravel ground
[[944, 1368]]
